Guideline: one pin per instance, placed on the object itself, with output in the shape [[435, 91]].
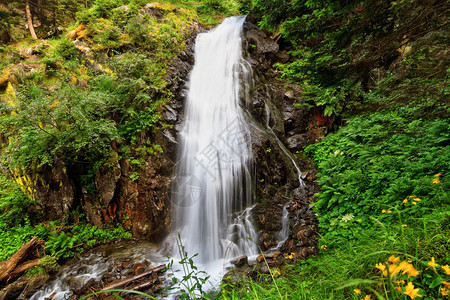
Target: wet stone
[[276, 263], [138, 269], [264, 269], [240, 261]]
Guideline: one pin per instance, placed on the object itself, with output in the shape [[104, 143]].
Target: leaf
[[436, 282]]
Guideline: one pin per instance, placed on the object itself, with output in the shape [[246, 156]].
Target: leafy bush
[[376, 162], [13, 203], [218, 6], [62, 240], [64, 245], [66, 49], [66, 123]]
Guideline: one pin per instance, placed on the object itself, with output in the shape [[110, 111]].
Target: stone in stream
[[138, 269], [240, 261]]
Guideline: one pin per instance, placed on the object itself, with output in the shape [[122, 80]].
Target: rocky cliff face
[[280, 130]]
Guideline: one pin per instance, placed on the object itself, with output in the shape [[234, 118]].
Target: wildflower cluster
[[414, 200], [276, 273], [290, 256], [403, 275], [436, 180], [358, 292]]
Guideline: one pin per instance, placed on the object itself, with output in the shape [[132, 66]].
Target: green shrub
[[13, 203], [376, 162], [66, 49]]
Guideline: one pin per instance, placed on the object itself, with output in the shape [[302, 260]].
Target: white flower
[[347, 217]]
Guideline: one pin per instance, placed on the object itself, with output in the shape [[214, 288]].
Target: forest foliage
[[380, 70]]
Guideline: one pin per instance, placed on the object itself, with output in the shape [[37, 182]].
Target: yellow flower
[[412, 196], [437, 175], [357, 291], [393, 259], [367, 297], [223, 291], [389, 211], [393, 270], [436, 181], [399, 281], [382, 268], [417, 199], [383, 211], [414, 203], [432, 263], [404, 225], [411, 291], [276, 273], [444, 292], [290, 256], [408, 268], [446, 284], [446, 268], [405, 201], [324, 247]]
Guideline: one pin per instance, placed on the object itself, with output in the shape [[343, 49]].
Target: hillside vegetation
[[379, 70]]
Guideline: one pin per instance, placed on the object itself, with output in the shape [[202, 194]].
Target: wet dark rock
[[55, 191], [272, 254], [264, 269], [296, 141], [276, 263], [138, 268], [281, 128], [106, 180], [261, 47], [240, 261]]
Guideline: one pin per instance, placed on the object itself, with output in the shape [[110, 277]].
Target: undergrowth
[[20, 221]]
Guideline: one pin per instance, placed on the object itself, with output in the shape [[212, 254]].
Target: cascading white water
[[212, 186], [284, 233]]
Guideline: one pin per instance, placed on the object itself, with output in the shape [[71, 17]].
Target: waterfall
[[284, 233], [211, 190]]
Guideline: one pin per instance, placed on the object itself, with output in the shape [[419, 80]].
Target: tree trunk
[[30, 20], [13, 267]]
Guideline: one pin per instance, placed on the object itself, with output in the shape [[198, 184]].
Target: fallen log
[[13, 267], [129, 280], [146, 284], [25, 266]]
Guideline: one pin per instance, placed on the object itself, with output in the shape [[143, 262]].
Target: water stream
[[283, 147], [212, 186]]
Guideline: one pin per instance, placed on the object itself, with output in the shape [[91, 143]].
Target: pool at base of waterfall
[[111, 264], [103, 266]]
